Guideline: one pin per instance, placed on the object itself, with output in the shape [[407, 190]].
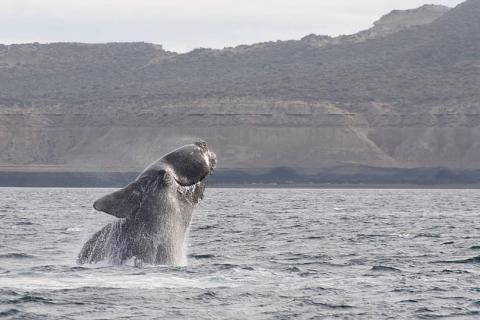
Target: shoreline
[[289, 186], [274, 179], [345, 186]]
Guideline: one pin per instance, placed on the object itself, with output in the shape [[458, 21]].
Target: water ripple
[[254, 254]]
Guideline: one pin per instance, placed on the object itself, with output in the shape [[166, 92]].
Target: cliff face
[[402, 94]]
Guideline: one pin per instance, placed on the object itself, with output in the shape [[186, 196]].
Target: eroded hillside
[[402, 94]]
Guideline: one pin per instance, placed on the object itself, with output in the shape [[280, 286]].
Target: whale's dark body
[[155, 211]]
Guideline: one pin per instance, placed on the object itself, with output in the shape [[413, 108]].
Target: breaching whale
[[155, 211]]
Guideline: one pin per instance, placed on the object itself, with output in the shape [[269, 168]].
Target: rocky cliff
[[402, 94]]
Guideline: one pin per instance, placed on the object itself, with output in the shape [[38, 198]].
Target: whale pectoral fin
[[121, 203]]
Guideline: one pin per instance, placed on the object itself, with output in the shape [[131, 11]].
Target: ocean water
[[253, 254]]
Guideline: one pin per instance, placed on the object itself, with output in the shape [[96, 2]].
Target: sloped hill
[[401, 94]]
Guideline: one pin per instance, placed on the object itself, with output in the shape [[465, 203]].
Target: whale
[[153, 213]]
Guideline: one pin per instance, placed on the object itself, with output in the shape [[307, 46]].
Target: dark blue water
[[254, 254]]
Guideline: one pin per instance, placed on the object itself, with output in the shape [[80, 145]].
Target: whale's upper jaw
[[213, 160], [210, 161], [202, 144], [210, 156]]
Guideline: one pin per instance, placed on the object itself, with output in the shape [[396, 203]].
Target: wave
[[201, 256], [207, 227], [24, 223], [16, 255], [326, 304], [29, 298], [9, 312], [385, 269], [427, 235], [468, 260]]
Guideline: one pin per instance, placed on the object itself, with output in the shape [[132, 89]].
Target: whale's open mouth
[[192, 193]]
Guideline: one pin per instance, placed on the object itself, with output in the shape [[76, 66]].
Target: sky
[[183, 25]]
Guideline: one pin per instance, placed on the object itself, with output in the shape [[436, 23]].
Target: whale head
[[189, 164], [184, 170]]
